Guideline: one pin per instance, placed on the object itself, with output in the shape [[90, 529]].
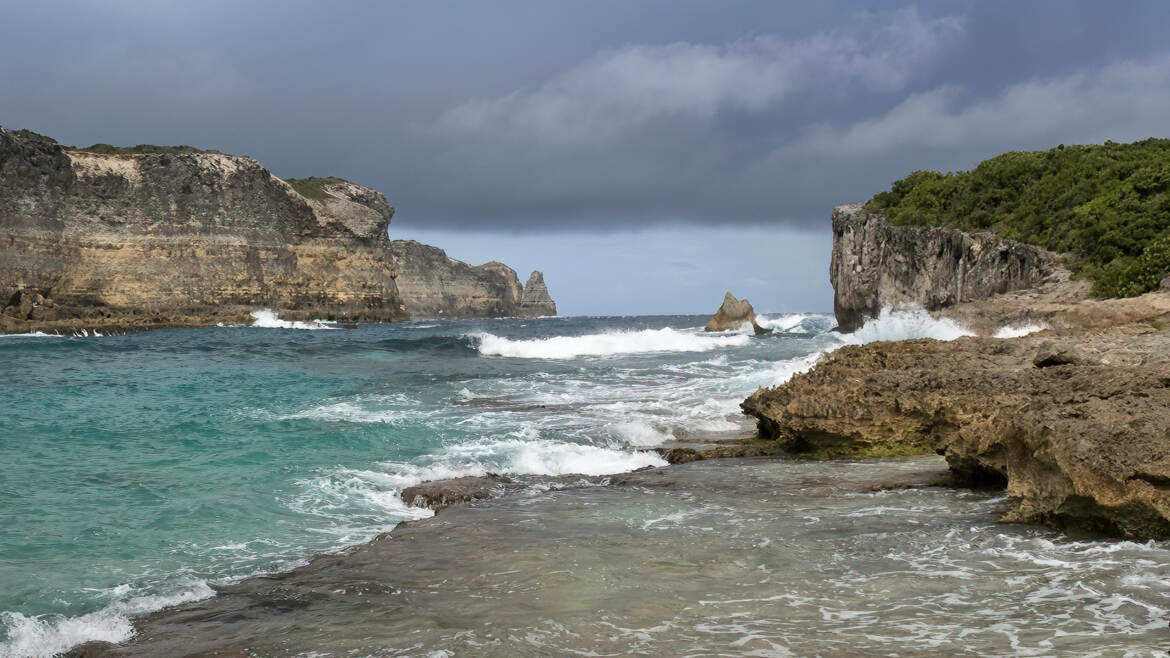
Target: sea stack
[[732, 314]]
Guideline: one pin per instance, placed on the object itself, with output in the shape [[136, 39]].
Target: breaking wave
[[614, 342], [266, 319], [50, 635], [891, 325], [785, 322]]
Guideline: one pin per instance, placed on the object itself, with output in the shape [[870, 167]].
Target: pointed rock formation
[[535, 300], [732, 314]]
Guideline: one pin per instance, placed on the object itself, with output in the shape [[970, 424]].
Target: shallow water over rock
[[727, 557]]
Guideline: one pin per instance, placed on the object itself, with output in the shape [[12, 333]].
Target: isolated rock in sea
[[1085, 445], [179, 236], [732, 315], [876, 264], [535, 300], [433, 285]]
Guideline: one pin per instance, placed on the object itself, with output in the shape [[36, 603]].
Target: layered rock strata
[[434, 285], [184, 237], [876, 264]]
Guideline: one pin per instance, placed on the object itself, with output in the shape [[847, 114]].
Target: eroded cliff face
[[433, 285], [876, 264], [181, 238]]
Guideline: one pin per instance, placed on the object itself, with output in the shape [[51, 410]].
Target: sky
[[646, 156]]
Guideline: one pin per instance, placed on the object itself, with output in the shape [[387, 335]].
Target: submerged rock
[[732, 315]]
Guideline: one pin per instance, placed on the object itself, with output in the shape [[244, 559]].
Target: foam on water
[[904, 325], [614, 342], [466, 414], [34, 334], [49, 635], [1016, 331], [266, 319], [784, 322]]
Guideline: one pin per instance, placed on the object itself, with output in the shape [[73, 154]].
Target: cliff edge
[[434, 285], [876, 264], [1073, 419], [180, 237]]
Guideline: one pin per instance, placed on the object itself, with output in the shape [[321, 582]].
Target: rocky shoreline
[[1074, 419]]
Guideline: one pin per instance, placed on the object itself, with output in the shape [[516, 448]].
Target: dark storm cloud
[[592, 115]]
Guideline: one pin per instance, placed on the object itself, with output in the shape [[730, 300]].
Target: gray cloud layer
[[593, 116]]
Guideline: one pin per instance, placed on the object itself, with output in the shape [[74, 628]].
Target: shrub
[[1108, 206]]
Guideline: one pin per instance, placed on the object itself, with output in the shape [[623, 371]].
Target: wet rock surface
[[768, 556], [440, 494]]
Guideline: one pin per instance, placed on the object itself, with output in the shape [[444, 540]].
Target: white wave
[[266, 319], [35, 334], [549, 458], [904, 325], [1016, 331], [49, 635], [615, 342], [785, 322], [640, 433], [390, 409]]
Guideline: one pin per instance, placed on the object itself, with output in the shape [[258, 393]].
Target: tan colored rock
[[434, 285], [1080, 445], [732, 315], [181, 237]]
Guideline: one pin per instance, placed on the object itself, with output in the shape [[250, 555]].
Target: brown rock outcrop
[[1077, 445], [732, 315], [877, 264], [179, 237], [434, 285]]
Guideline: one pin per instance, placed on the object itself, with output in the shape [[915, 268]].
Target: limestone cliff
[[434, 285], [876, 264], [180, 237]]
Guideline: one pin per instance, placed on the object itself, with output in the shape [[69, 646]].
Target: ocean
[[141, 471]]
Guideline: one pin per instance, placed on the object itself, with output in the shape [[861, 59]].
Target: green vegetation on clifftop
[[1108, 206], [313, 187]]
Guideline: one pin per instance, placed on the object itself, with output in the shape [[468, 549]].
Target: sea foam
[[613, 342], [891, 325], [266, 319], [49, 635]]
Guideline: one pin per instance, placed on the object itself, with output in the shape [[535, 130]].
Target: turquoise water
[[140, 469]]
